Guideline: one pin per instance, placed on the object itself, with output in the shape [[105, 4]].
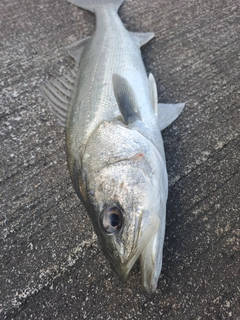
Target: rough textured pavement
[[51, 264]]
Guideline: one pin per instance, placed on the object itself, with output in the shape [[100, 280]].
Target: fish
[[113, 122]]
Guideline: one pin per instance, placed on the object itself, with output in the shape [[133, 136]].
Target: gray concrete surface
[[51, 264]]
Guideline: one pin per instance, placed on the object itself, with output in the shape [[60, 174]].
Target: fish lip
[[148, 292], [122, 269], [122, 275]]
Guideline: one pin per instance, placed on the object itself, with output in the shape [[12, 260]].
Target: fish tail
[[91, 5]]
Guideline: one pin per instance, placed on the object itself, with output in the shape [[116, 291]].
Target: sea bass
[[115, 152]]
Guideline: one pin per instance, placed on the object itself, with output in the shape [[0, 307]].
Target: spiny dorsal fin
[[141, 38], [126, 100], [58, 93], [153, 93], [75, 49], [167, 113]]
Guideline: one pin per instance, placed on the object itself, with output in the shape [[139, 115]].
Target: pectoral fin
[[126, 100]]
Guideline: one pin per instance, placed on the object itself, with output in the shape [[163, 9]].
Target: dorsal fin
[[125, 98], [75, 49], [58, 93], [141, 38]]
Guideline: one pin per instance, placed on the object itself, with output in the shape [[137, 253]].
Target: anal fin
[[141, 38]]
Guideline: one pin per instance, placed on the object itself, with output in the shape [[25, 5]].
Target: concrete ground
[[51, 264]]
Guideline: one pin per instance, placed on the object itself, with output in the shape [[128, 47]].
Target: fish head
[[123, 172], [126, 214]]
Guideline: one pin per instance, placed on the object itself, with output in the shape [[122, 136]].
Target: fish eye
[[112, 219]]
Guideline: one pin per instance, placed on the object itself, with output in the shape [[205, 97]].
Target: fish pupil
[[114, 220]]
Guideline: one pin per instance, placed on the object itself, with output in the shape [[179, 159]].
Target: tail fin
[[91, 5]]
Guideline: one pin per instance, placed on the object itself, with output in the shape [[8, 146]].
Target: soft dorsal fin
[[153, 93], [167, 113], [141, 38], [125, 98], [75, 49]]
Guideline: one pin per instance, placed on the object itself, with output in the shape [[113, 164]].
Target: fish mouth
[[122, 273], [122, 267], [122, 270], [123, 260]]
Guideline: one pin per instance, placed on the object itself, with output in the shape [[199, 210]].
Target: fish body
[[114, 144]]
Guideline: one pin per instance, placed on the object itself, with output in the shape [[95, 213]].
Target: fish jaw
[[151, 263], [152, 255], [121, 259]]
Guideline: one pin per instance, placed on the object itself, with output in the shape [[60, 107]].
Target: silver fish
[[114, 145]]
